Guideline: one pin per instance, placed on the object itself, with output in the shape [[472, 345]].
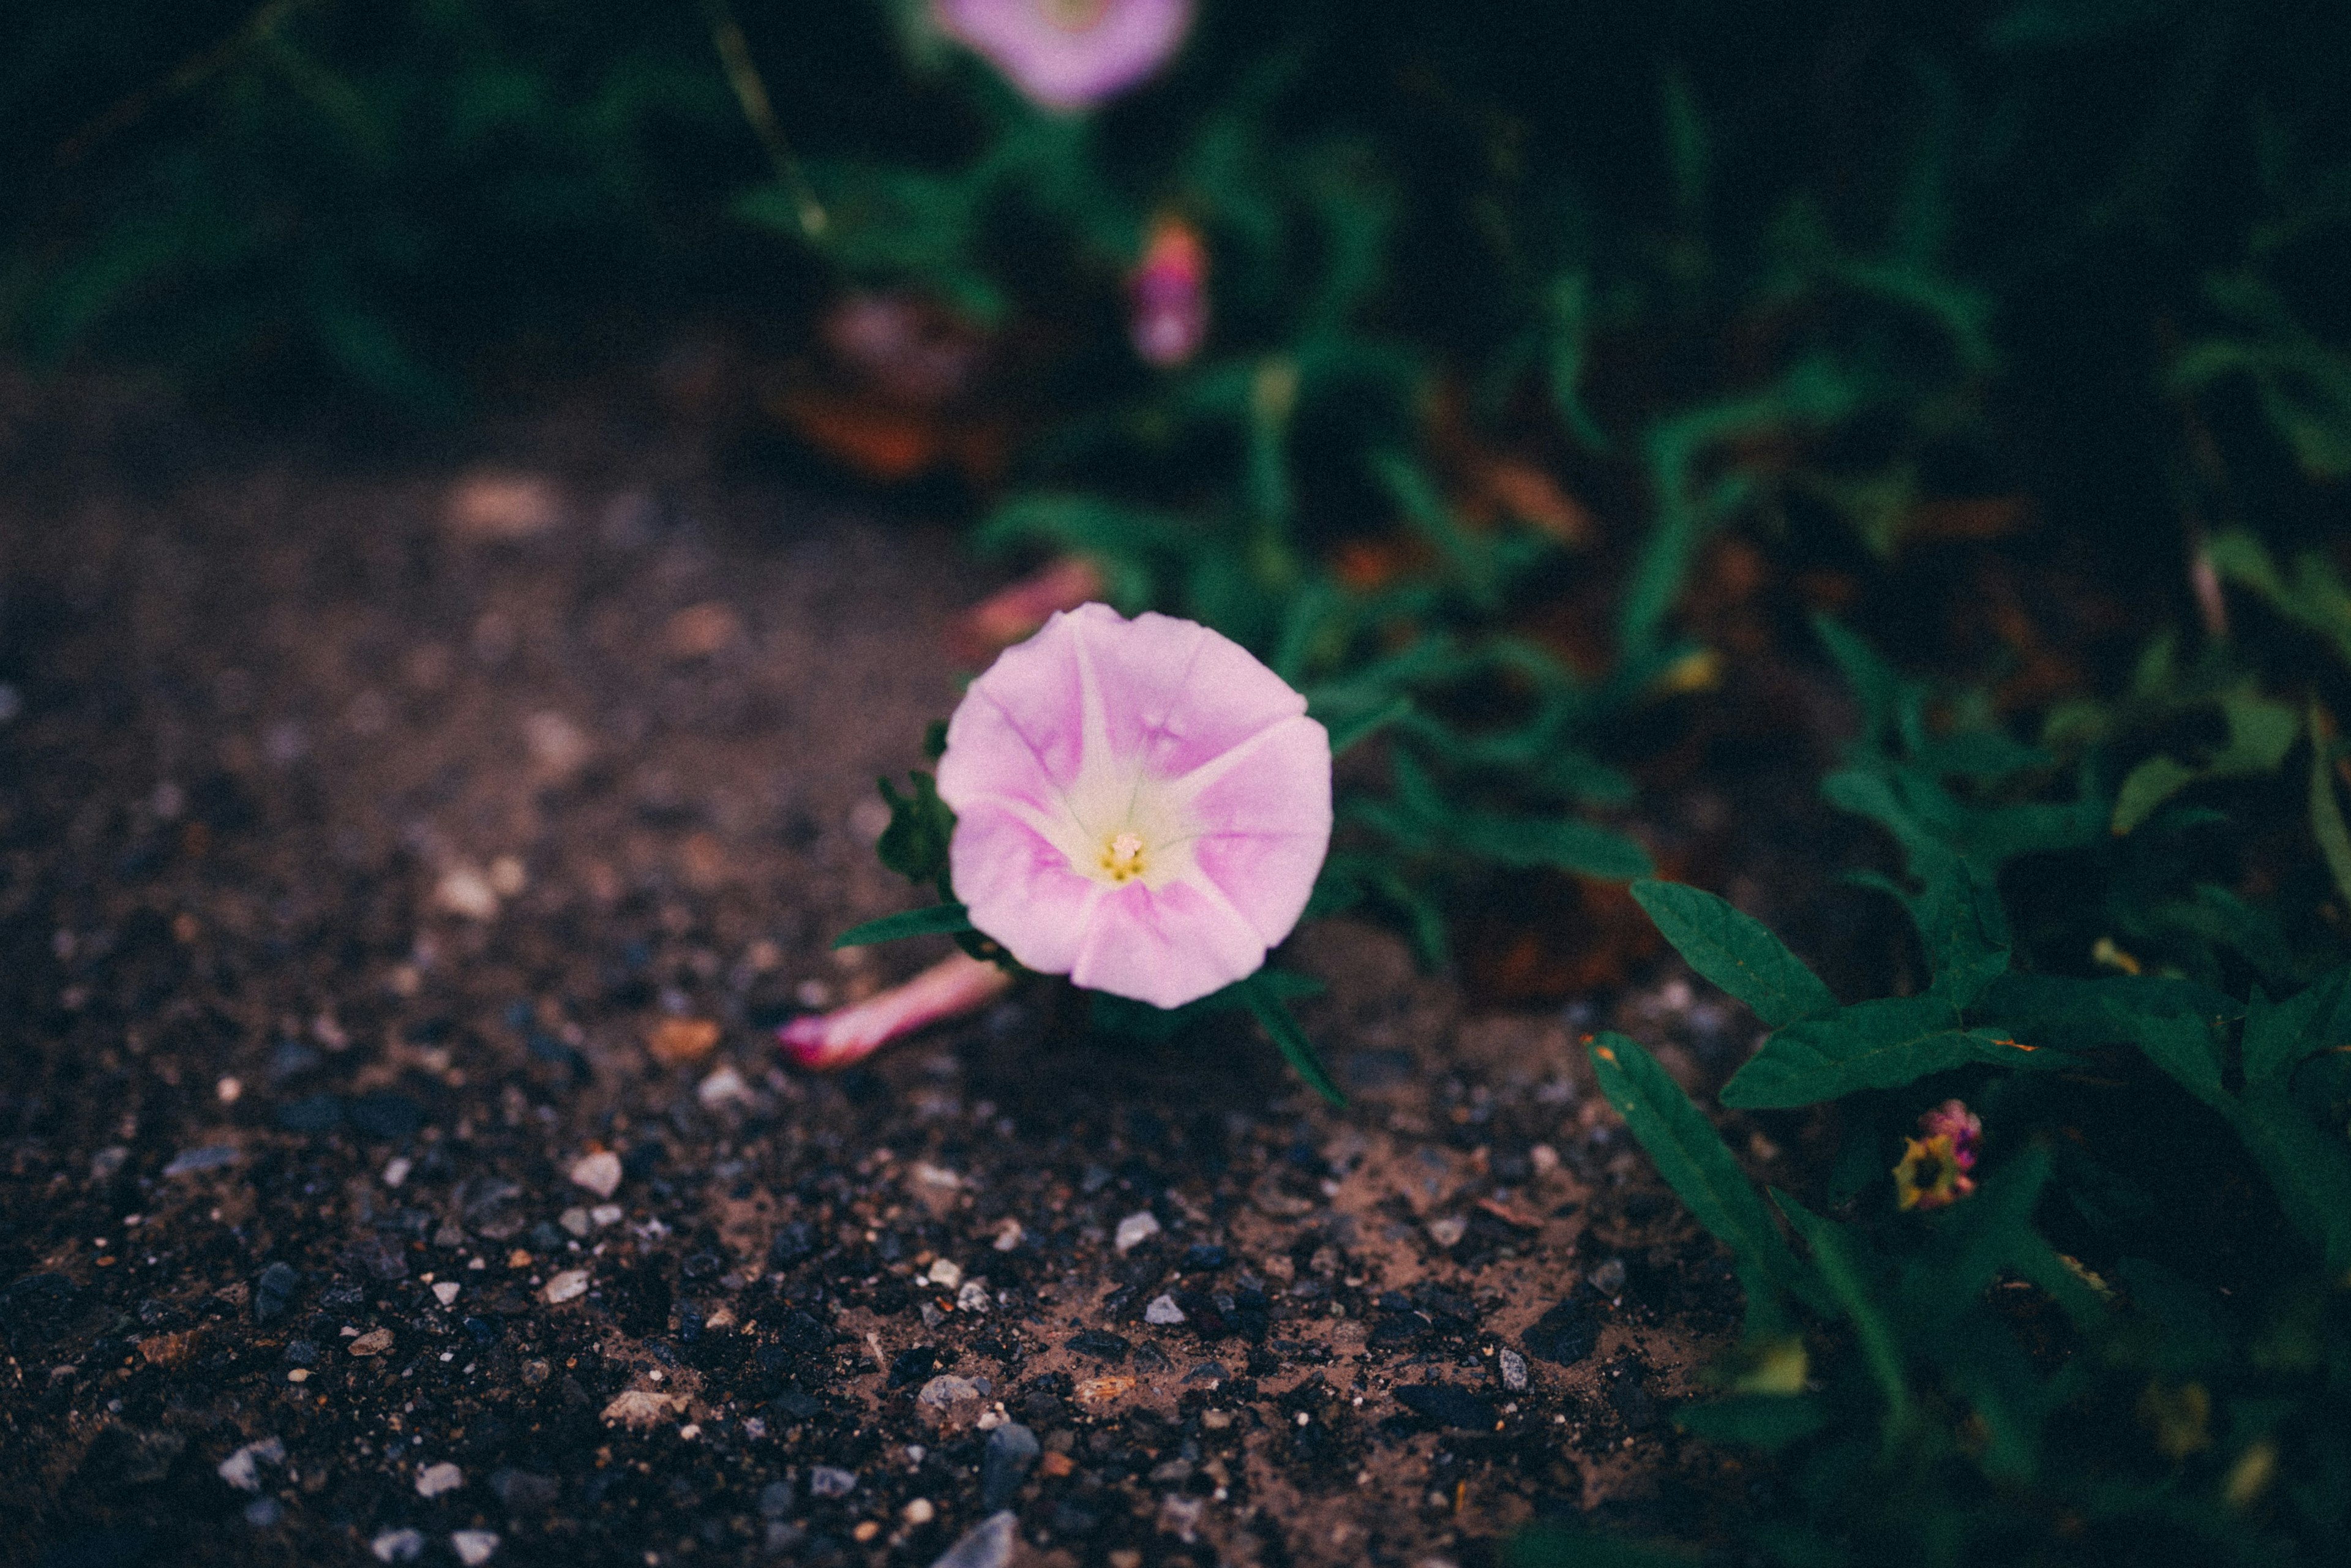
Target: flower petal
[[1166, 947], [1070, 68], [1019, 887]]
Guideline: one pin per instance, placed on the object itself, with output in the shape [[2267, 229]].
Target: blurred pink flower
[[947, 990], [1953, 1120], [1171, 294], [1010, 613], [1140, 805], [1070, 54]]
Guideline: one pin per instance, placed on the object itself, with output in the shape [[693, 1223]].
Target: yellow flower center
[[1121, 858]]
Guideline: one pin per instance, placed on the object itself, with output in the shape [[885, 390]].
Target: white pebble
[[229, 1090], [973, 1298], [474, 1547], [396, 1170], [1446, 1230], [1163, 1311], [569, 1284], [242, 1469], [398, 1546], [605, 1214], [600, 1173], [722, 1087], [576, 1221], [434, 1479], [943, 1272], [447, 1290], [1009, 1235], [1137, 1228]]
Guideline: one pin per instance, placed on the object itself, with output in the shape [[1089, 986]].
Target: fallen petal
[[948, 989]]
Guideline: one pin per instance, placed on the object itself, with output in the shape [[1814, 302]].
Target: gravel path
[[403, 873]]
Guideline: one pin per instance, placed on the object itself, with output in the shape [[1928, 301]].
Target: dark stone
[[311, 1113], [301, 1353], [1567, 1334], [795, 1405], [702, 1266], [1203, 1257], [1447, 1405], [795, 1243], [379, 1257], [524, 1492], [1012, 1450], [1398, 1330], [481, 1331], [913, 1365], [1101, 1344], [1631, 1400], [803, 1335]]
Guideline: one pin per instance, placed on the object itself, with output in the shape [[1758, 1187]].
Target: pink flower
[[1171, 294], [1953, 1120], [1140, 805], [948, 989], [1070, 54]]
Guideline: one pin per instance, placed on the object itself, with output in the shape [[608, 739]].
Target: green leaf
[[1837, 1258], [1766, 1421], [1736, 951], [1874, 681], [2327, 812], [2261, 733], [1689, 1154], [1565, 843], [1565, 1546], [1348, 733], [938, 920], [2278, 1036], [1263, 999], [1880, 1044], [914, 844]]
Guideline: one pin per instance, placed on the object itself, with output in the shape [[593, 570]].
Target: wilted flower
[[1070, 54], [952, 987], [1171, 294], [1140, 805], [1934, 1172]]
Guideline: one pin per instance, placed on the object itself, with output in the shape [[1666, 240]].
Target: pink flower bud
[[948, 989], [1171, 294]]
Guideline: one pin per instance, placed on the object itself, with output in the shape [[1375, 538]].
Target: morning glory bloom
[[1070, 54], [1140, 805]]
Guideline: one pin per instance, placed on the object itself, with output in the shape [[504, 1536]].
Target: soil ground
[[382, 840]]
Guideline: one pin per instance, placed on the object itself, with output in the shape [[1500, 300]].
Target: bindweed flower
[[948, 989], [1140, 805], [1171, 294], [1070, 54], [1935, 1169]]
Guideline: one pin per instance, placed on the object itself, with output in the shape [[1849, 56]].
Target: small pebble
[[920, 1512], [375, 1341], [605, 1214], [825, 1480], [972, 1298], [1609, 1278], [264, 1513], [600, 1173], [434, 1479], [723, 1087], [396, 1170], [1007, 1235], [398, 1546], [1163, 1311], [242, 1469], [565, 1286], [576, 1221], [1446, 1230], [474, 1547], [943, 1272], [447, 1290], [987, 1544], [1137, 1228], [1513, 1369], [229, 1090]]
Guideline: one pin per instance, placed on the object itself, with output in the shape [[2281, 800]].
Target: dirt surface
[[381, 846]]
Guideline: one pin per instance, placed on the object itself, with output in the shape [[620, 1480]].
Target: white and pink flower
[[1070, 54], [1141, 805]]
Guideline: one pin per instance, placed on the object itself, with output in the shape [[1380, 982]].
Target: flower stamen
[[1123, 858]]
